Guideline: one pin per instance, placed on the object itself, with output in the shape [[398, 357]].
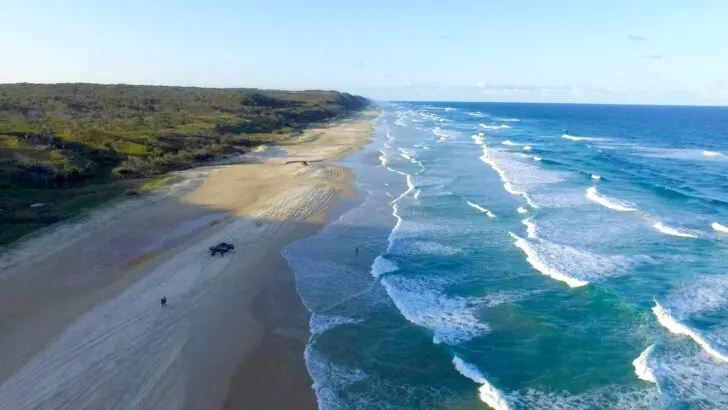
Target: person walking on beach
[[356, 251], [163, 301]]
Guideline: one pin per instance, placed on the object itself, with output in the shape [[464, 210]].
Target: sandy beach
[[81, 324]]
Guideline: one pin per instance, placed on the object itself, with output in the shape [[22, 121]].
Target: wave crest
[[533, 258], [489, 394], [661, 227], [675, 327], [642, 368], [575, 138], [607, 202], [494, 127], [481, 209]]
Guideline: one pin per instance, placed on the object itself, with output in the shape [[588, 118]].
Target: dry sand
[[81, 326]]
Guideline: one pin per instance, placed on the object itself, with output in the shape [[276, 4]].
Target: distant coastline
[[65, 148]]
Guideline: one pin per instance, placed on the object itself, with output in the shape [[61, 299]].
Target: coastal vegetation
[[65, 147]]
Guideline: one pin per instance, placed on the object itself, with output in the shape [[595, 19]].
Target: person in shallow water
[[163, 301]]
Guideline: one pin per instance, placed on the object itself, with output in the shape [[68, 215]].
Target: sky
[[616, 51]]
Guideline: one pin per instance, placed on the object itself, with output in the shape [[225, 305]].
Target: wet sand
[[80, 320]]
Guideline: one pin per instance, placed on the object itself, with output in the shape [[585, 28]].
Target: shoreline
[[216, 352]]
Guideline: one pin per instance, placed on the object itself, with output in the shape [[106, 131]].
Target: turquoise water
[[525, 256]]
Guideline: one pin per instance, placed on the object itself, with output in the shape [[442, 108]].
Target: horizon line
[[713, 105]]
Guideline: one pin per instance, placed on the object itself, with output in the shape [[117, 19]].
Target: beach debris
[[221, 248]]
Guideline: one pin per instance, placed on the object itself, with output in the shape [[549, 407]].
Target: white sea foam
[[605, 397], [530, 228], [537, 158], [520, 177], [575, 138], [476, 114], [405, 154], [573, 266], [712, 154], [408, 156], [661, 227], [675, 327], [507, 119], [527, 148], [444, 135], [494, 127], [383, 266], [607, 202], [506, 183], [533, 258], [320, 323], [686, 154], [522, 210], [481, 209], [693, 378], [419, 247], [479, 139], [423, 301], [642, 366], [489, 394], [700, 295], [383, 159], [718, 227], [451, 319], [596, 177], [417, 194], [329, 378], [509, 142]]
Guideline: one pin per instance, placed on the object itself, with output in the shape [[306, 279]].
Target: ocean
[[525, 256]]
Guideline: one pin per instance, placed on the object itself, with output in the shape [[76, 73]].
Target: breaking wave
[[712, 154], [642, 367], [607, 202], [661, 227], [575, 138], [533, 258], [675, 327], [718, 227], [481, 209], [530, 228], [488, 393], [495, 127], [444, 135], [506, 183]]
